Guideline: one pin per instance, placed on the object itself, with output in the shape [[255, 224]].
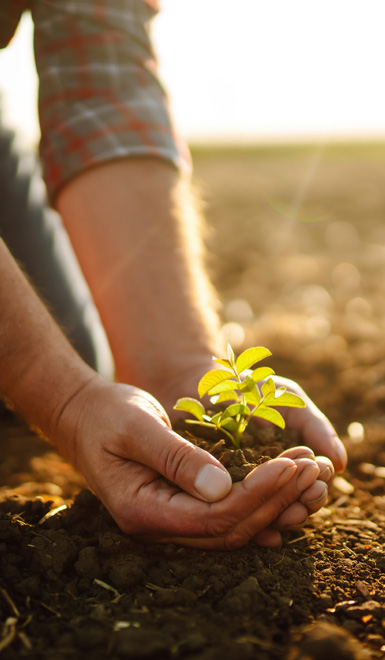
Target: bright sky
[[251, 69]]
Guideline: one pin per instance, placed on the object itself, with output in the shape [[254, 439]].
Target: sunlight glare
[[249, 71]]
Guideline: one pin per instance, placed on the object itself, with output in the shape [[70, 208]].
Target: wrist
[[42, 389], [66, 424], [40, 370]]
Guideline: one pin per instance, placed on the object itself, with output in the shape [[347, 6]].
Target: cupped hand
[[316, 432], [310, 501], [158, 485], [313, 427]]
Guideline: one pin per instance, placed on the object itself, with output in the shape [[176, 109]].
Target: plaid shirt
[[99, 95]]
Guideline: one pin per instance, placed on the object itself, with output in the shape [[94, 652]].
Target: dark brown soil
[[72, 585]]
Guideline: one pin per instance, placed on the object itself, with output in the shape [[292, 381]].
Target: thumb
[[191, 468]]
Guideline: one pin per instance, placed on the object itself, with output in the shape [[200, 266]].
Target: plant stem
[[239, 419], [212, 426]]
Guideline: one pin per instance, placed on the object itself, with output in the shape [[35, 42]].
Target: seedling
[[253, 392]]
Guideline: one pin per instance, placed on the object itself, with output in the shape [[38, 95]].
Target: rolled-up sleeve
[[100, 98]]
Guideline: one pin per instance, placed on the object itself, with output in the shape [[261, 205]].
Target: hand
[[119, 437], [311, 500], [316, 431], [319, 435], [313, 426]]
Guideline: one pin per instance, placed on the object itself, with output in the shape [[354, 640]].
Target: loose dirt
[[72, 584]]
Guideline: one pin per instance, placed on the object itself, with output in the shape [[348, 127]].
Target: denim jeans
[[35, 236]]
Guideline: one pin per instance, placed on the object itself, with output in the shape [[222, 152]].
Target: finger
[[298, 452], [256, 526], [263, 495], [326, 469], [315, 497], [143, 503], [272, 508], [268, 538], [151, 442], [311, 500], [320, 435], [294, 516], [314, 427]]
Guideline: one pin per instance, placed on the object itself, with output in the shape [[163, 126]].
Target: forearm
[[137, 240], [40, 372]]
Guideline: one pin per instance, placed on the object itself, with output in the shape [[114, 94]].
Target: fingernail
[[320, 497], [307, 476], [325, 475], [341, 453], [286, 475], [213, 483], [303, 452]]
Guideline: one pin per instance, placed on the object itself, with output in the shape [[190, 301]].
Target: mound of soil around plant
[[257, 445]]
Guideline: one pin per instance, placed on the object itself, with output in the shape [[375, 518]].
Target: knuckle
[[219, 526], [175, 459], [125, 521], [237, 539], [301, 451], [285, 501], [127, 516]]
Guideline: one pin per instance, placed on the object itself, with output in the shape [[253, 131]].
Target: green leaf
[[223, 386], [230, 355], [229, 424], [192, 406], [247, 384], [211, 379], [250, 391], [261, 373], [270, 415], [237, 409], [268, 387], [283, 398], [215, 419], [250, 356], [253, 397], [227, 395], [224, 363]]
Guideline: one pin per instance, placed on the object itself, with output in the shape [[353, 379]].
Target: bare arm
[[40, 372], [137, 237], [136, 234]]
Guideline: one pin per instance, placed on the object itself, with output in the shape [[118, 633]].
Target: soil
[[72, 584]]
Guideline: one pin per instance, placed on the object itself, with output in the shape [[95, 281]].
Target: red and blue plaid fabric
[[100, 98]]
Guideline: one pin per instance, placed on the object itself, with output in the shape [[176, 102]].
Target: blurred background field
[[296, 243]]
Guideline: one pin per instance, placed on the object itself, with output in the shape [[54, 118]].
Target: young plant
[[235, 382]]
